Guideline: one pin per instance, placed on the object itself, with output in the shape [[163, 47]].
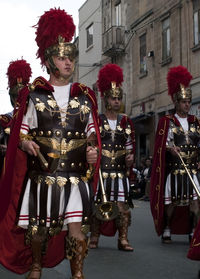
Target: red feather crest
[[18, 70], [51, 24], [107, 74], [176, 76]]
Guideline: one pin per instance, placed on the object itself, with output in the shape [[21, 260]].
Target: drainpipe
[[180, 31]]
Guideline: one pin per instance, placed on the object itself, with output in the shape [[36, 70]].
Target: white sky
[[18, 37]]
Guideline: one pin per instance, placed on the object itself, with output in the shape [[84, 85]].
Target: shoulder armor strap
[[41, 83]]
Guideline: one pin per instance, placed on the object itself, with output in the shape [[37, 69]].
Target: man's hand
[[129, 160], [174, 150], [91, 155], [29, 146]]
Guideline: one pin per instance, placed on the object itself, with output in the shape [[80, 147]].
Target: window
[[118, 18], [166, 39], [143, 65], [89, 32], [196, 20]]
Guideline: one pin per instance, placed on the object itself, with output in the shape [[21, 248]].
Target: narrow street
[[150, 259]]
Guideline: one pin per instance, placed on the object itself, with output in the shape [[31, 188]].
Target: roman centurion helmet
[[54, 31], [178, 80], [19, 73], [109, 82]]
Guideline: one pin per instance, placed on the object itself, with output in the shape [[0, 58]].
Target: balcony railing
[[114, 41]]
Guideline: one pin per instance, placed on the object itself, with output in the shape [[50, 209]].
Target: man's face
[[115, 103], [64, 65], [183, 107], [148, 163]]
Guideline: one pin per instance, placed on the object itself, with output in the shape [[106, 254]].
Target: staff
[[190, 177]]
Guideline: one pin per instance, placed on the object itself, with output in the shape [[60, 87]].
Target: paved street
[[150, 259]]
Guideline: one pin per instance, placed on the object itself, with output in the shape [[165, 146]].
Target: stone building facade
[[90, 43], [164, 35], [146, 38]]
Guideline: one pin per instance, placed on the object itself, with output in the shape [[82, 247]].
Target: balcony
[[114, 41]]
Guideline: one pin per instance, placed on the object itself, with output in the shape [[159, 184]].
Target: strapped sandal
[[125, 247], [125, 221], [166, 239], [93, 244], [35, 272]]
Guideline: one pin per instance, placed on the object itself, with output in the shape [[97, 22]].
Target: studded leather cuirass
[[113, 145], [62, 139], [188, 143]]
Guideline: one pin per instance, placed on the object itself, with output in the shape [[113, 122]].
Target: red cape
[[194, 251], [14, 254], [180, 221]]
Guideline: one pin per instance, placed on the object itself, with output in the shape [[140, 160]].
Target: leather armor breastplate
[[62, 140], [188, 143], [113, 145]]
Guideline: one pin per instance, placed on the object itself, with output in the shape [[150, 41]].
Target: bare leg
[[168, 214]]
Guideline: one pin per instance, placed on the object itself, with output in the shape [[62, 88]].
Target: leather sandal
[[93, 244], [166, 239], [35, 272], [125, 247]]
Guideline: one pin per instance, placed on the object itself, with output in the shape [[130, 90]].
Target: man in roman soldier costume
[[55, 124], [118, 147], [19, 73], [174, 200]]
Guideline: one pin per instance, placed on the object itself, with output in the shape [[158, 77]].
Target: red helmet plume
[[51, 25], [19, 71], [176, 77], [108, 74]]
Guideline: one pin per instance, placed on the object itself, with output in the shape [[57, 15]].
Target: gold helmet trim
[[62, 49], [115, 92], [184, 93]]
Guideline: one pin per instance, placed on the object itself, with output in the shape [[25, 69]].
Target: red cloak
[[14, 254], [194, 251], [180, 221]]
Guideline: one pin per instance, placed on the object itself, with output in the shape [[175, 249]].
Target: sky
[[17, 36]]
